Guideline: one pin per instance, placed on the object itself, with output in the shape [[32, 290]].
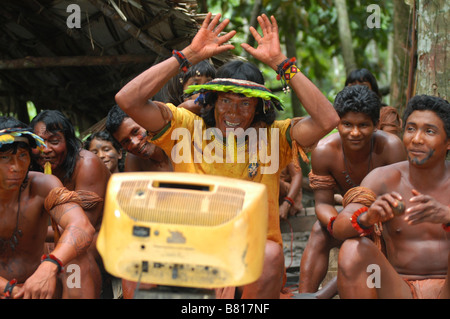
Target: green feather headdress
[[14, 135], [247, 88]]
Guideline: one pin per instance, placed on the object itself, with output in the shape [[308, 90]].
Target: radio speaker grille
[[141, 201]]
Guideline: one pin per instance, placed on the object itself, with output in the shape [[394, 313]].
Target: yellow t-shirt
[[194, 148]]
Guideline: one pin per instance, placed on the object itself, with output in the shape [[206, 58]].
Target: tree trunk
[[400, 58], [256, 11], [345, 35], [433, 44], [291, 50]]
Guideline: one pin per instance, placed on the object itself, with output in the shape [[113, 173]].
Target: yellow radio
[[184, 230]]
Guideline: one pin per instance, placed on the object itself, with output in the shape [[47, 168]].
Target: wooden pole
[[31, 62]]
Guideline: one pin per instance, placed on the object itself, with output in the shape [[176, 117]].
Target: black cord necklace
[[346, 173], [13, 241]]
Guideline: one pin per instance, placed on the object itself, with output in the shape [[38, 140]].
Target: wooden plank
[[32, 62]]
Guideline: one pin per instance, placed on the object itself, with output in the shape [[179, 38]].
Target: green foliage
[[312, 24]]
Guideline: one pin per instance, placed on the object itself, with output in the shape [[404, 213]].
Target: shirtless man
[[79, 170], [142, 155], [24, 272], [417, 243], [340, 162]]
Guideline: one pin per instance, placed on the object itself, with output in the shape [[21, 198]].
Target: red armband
[[51, 258], [363, 231], [446, 227]]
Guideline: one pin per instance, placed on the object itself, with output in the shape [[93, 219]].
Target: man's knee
[[274, 257], [354, 254], [319, 238], [317, 229]]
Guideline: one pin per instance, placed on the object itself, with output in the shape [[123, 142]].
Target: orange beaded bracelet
[[363, 231]]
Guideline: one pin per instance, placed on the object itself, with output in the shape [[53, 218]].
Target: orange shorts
[[426, 288]]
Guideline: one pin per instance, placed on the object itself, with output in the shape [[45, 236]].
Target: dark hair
[[55, 121], [429, 103], [104, 136], [241, 70], [173, 90], [363, 75], [359, 99], [115, 118], [11, 122]]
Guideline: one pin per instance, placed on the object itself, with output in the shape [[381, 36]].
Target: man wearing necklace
[[237, 101], [416, 256], [27, 199], [339, 162]]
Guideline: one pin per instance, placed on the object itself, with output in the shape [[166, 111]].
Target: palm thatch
[[46, 58]]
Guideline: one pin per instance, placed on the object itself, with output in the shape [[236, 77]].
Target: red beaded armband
[[51, 258], [446, 226], [330, 225], [355, 222]]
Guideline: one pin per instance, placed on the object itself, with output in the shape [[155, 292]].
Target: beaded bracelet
[[289, 200], [9, 288], [363, 231], [446, 227], [51, 258], [181, 58], [330, 225], [286, 71]]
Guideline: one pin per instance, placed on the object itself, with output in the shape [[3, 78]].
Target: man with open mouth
[[237, 104]]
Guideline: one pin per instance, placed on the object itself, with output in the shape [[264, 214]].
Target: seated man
[[340, 162], [407, 203], [27, 199], [142, 155], [237, 101], [81, 171]]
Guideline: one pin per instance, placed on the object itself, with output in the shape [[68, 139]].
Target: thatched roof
[[79, 70]]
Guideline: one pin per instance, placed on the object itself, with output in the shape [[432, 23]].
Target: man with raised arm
[[240, 116]]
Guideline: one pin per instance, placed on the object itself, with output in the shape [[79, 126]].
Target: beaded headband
[[247, 88], [14, 135]]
